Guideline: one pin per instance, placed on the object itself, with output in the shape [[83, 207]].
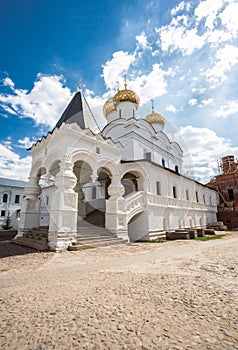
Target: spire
[[78, 112]]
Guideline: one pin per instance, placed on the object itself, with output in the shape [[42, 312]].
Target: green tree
[[7, 224]]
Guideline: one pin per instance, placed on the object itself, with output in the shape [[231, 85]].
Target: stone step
[[27, 242], [103, 239], [97, 244]]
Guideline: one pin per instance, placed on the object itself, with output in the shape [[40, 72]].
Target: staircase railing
[[136, 202]]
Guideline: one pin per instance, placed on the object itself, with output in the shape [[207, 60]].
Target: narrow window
[[5, 198], [17, 198], [47, 200], [98, 150], [174, 192], [196, 196], [187, 195], [231, 194], [94, 192], [158, 187], [119, 113], [3, 212], [148, 156], [210, 198], [163, 162], [204, 199], [176, 169]]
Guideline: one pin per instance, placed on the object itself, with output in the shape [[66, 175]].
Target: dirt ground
[[172, 295]]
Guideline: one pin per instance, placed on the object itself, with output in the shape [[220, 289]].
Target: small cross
[[118, 86], [152, 102], [125, 84]]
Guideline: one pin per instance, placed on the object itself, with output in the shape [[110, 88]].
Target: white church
[[126, 180]]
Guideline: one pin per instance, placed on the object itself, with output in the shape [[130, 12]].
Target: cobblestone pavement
[[176, 295]]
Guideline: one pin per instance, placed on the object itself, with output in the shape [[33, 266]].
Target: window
[[3, 212], [148, 156], [187, 195], [47, 200], [204, 199], [94, 192], [119, 113], [158, 187], [231, 194], [163, 162], [174, 192], [98, 150], [5, 198], [17, 198], [176, 169], [196, 193], [210, 198]]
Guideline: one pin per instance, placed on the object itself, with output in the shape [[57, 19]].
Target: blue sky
[[182, 54]]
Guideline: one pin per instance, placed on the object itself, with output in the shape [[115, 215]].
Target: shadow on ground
[[10, 249]]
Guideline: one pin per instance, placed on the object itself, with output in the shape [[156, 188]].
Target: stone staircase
[[36, 238], [92, 233]]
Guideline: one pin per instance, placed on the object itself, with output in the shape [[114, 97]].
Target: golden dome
[[126, 95], [155, 118], [109, 107]]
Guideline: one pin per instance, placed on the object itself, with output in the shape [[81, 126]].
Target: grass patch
[[158, 240], [209, 238]]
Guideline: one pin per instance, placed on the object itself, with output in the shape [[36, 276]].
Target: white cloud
[[174, 38], [204, 147], [12, 165], [230, 108], [142, 41], [207, 102], [120, 63], [151, 85], [181, 6], [229, 18], [193, 102], [171, 108], [44, 103], [226, 57], [208, 9], [26, 142], [8, 82]]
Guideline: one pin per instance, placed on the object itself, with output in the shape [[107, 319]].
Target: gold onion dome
[[155, 118], [121, 96], [126, 95], [109, 106]]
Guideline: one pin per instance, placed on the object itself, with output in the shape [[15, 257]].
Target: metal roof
[[12, 182]]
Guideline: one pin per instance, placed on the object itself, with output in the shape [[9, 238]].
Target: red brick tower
[[226, 184]]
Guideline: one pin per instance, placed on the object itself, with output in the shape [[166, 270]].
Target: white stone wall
[[11, 207]]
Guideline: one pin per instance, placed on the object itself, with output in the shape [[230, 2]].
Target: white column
[[30, 206], [64, 209], [115, 209]]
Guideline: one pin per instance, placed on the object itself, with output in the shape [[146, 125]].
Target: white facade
[[11, 196], [130, 171]]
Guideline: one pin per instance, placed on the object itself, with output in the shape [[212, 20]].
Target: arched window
[[176, 168], [196, 193], [204, 199], [94, 192], [187, 195], [163, 162], [174, 192], [158, 187], [5, 198]]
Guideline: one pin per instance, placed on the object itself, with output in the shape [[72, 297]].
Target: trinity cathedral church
[[124, 182]]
